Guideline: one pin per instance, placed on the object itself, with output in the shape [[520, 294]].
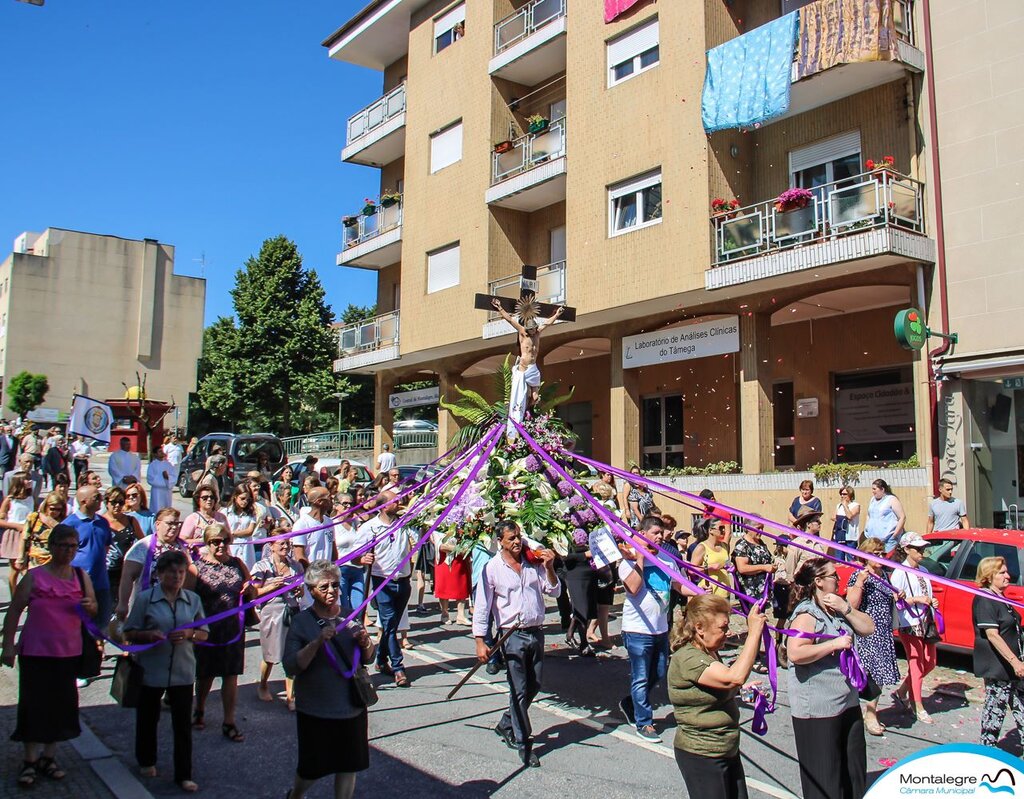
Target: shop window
[[449, 28], [635, 203], [633, 52], [783, 413], [874, 416]]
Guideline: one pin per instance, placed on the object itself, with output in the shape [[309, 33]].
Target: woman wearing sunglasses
[[204, 513]]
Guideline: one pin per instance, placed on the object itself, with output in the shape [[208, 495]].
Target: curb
[[111, 771]]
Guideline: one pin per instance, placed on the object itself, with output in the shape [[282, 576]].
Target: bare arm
[[508, 317], [554, 317], [18, 604], [998, 644], [855, 593], [931, 524], [130, 572], [720, 676], [901, 520]]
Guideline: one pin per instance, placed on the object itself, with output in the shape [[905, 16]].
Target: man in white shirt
[[319, 544], [27, 464], [80, 451], [160, 476], [174, 452], [386, 460], [389, 553], [124, 462]]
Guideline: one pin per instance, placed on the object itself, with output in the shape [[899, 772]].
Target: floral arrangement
[[887, 162], [389, 198], [536, 119], [350, 221], [369, 207], [792, 199], [721, 206]]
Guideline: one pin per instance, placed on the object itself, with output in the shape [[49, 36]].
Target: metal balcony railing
[[367, 227], [877, 199], [368, 335], [529, 151], [516, 27], [376, 113], [550, 286]]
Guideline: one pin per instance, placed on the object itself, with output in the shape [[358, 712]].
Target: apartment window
[[450, 27], [635, 203], [825, 161], [446, 147], [633, 52], [443, 268]]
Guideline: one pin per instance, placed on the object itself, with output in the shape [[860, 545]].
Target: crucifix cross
[[525, 306]]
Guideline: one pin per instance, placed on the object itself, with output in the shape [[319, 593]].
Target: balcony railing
[[516, 27], [367, 227], [368, 335], [877, 199], [529, 151], [550, 286], [377, 113]]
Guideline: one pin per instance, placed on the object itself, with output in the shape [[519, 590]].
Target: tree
[[135, 403], [274, 368], [26, 391]]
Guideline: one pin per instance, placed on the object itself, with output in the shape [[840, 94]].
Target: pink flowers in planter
[[792, 199]]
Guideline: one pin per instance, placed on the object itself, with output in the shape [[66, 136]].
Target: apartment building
[[89, 311], [758, 329]]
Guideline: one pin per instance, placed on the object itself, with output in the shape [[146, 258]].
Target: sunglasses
[[216, 542], [206, 498], [115, 502]]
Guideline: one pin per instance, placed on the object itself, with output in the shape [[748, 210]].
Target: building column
[[447, 424], [383, 416], [757, 424], [624, 412]]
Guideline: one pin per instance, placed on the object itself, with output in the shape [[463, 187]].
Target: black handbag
[[364, 694], [91, 659], [126, 686]]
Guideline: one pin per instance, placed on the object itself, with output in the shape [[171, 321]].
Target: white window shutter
[[446, 147], [446, 22], [825, 150], [443, 268], [633, 42]]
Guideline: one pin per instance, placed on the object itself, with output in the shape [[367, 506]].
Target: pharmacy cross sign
[[525, 306]]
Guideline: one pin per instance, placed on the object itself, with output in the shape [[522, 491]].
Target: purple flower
[[576, 502], [565, 488], [580, 537], [589, 516], [532, 464]]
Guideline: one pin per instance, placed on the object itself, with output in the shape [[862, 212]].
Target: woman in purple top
[[48, 652]]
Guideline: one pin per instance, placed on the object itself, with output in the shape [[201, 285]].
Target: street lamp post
[[339, 396]]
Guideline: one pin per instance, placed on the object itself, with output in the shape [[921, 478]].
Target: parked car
[[955, 554], [414, 433], [243, 453]]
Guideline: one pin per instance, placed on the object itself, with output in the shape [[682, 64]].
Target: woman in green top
[[703, 692]]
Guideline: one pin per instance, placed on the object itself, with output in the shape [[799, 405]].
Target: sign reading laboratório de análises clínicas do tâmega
[[682, 343]]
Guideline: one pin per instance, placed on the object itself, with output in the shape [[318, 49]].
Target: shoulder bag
[[363, 692], [126, 685], [91, 659]]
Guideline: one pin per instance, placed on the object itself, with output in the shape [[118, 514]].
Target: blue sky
[[207, 124]]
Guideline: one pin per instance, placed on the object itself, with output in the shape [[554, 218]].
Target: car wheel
[[183, 486]]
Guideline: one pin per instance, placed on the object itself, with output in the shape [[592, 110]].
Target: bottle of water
[[747, 693]]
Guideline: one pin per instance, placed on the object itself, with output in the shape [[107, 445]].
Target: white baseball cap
[[913, 540]]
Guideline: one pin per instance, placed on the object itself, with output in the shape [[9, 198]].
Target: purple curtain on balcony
[[616, 8], [836, 32]]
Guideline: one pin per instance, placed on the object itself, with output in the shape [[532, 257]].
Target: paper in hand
[[603, 548]]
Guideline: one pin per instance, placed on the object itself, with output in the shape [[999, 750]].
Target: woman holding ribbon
[[702, 690], [48, 652], [221, 582], [998, 649], [321, 654], [158, 617], [825, 706], [868, 590], [915, 621], [712, 556], [269, 575]]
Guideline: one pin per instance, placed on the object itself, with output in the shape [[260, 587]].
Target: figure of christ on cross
[[529, 348]]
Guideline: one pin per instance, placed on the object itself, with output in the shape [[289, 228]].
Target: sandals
[[874, 727], [232, 733], [198, 717], [760, 668], [49, 767], [27, 775]]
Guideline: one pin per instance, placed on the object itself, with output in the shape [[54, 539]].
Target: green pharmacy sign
[[910, 329]]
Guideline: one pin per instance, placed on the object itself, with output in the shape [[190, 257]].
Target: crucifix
[[522, 314]]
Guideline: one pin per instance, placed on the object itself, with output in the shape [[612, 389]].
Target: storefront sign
[[684, 343], [43, 415], [412, 399], [909, 328], [1013, 383], [807, 408], [875, 414]]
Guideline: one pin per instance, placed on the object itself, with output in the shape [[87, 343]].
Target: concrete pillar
[[447, 424], [757, 425], [383, 416], [624, 413]]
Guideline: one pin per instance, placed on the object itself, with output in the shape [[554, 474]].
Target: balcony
[[376, 135], [375, 241], [876, 218], [550, 289], [531, 174], [529, 45], [364, 344]]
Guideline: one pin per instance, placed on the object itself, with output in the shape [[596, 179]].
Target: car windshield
[[249, 450]]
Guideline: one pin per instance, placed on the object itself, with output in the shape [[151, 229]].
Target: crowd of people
[[156, 577]]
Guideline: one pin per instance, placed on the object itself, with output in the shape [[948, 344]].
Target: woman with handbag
[[846, 521], [332, 689], [169, 667], [268, 575], [35, 546], [49, 654], [915, 622]]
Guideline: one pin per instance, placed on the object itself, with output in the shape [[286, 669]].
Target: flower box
[[387, 201], [503, 146], [538, 124], [369, 209], [350, 221]]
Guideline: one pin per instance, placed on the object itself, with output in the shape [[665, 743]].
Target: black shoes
[[507, 736], [492, 668], [626, 708], [530, 760]]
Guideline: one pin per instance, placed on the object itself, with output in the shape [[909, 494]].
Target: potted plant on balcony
[[879, 168], [794, 213], [389, 198], [369, 207], [724, 208], [537, 123], [350, 221], [503, 146]]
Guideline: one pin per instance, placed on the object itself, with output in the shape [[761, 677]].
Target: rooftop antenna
[[201, 260]]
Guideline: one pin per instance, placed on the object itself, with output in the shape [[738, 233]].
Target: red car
[[955, 554]]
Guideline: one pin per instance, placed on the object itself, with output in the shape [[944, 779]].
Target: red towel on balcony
[[836, 32], [616, 8]]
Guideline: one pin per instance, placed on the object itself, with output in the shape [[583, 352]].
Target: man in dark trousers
[[512, 587], [8, 449]]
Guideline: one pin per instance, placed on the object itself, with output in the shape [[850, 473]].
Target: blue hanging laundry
[[748, 78]]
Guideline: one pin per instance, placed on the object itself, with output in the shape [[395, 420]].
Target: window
[[835, 158], [873, 413], [633, 52], [940, 555], [987, 549], [450, 27], [446, 147], [443, 268], [635, 204]]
